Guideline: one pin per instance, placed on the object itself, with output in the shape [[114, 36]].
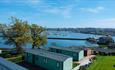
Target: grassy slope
[[15, 59], [103, 63]]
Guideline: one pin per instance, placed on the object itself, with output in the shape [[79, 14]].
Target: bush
[[8, 55], [5, 54]]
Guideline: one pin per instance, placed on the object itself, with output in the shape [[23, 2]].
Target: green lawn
[[103, 63], [15, 59]]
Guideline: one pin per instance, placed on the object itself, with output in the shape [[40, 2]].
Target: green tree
[[2, 27], [38, 35], [17, 34]]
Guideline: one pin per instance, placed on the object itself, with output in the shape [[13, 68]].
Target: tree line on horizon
[[97, 31], [19, 33]]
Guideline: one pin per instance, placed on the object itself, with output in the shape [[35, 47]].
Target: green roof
[[79, 47], [67, 49], [7, 65], [47, 54]]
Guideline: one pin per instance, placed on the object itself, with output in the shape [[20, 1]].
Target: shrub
[[5, 54]]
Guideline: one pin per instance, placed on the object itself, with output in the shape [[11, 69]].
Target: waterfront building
[[0, 51], [48, 60], [76, 54], [87, 50]]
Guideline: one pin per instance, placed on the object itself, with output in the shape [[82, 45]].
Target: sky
[[60, 13]]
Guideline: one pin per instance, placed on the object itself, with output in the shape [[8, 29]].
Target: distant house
[[87, 51], [48, 60], [76, 54], [7, 65]]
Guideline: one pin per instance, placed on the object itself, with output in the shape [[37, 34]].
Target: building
[[48, 60], [87, 51], [0, 51], [77, 54], [7, 65]]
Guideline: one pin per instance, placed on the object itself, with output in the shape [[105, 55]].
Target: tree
[[105, 40], [2, 27], [92, 40], [17, 34], [38, 36]]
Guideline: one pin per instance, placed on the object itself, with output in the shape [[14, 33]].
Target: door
[[33, 59]]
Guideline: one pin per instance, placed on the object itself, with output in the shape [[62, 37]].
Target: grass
[[15, 59], [103, 63], [75, 64]]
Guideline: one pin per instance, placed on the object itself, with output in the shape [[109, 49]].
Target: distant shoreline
[[95, 31]]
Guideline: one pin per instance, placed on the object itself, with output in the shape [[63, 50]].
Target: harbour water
[[62, 43]]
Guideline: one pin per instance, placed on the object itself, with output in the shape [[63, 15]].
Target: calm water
[[62, 43]]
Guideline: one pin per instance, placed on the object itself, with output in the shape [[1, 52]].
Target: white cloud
[[101, 23], [106, 21], [21, 1], [8, 13], [76, 1], [93, 10], [5, 1], [45, 7], [32, 2], [63, 11], [53, 11]]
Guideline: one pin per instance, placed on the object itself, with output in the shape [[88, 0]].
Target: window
[[37, 58], [45, 60], [27, 54], [58, 64], [58, 51], [74, 54]]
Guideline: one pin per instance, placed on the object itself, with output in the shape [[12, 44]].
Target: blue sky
[[61, 13]]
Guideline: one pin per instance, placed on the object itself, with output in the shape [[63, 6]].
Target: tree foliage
[[2, 26], [17, 34], [38, 35]]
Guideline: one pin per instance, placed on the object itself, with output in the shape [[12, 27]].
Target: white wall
[[0, 51]]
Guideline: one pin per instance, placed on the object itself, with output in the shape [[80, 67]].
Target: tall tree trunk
[[19, 49], [38, 47], [33, 46]]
